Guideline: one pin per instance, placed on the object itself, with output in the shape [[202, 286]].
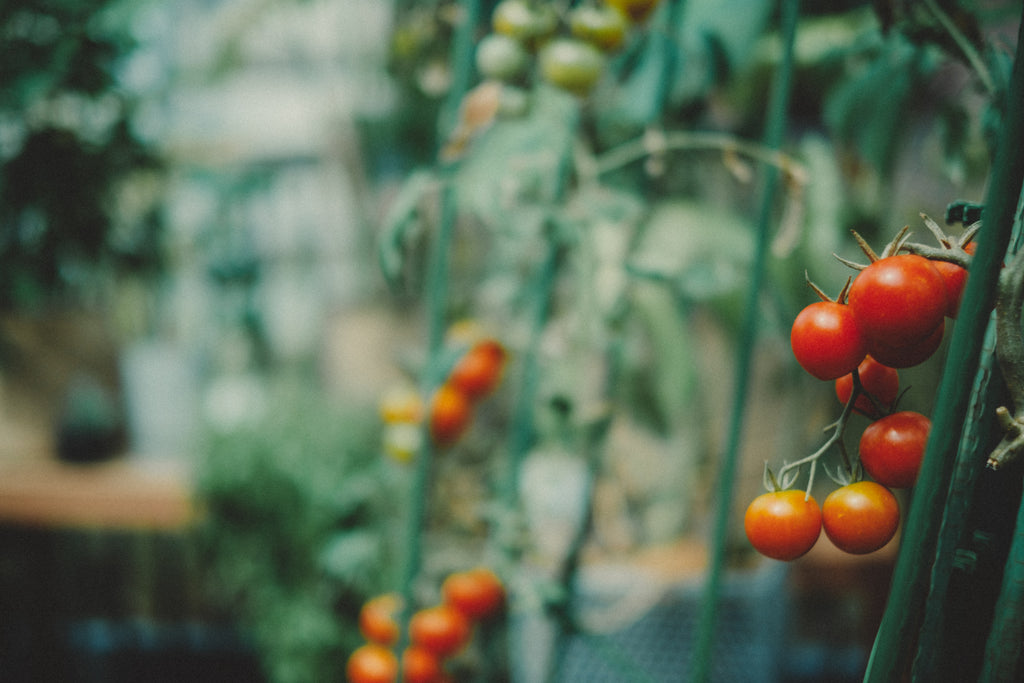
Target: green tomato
[[601, 25], [526, 22], [501, 57], [572, 64]]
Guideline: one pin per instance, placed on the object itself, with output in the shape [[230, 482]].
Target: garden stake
[[903, 615], [777, 111]]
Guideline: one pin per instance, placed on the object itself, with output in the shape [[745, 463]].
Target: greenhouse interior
[[511, 341]]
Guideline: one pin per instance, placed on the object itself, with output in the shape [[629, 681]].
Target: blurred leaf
[[402, 223], [870, 110]]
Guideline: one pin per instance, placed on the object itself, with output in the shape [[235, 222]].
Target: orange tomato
[[378, 619], [450, 414], [372, 663], [477, 593], [420, 665], [479, 370], [441, 629]]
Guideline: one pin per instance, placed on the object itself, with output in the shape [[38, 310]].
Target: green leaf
[[401, 224]]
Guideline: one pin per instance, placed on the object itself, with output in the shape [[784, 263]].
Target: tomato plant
[[891, 448], [783, 525], [477, 593], [826, 340], [441, 629], [878, 381], [372, 663], [898, 301], [861, 517], [378, 619]]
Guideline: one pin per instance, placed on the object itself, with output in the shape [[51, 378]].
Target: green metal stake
[[777, 111], [901, 621]]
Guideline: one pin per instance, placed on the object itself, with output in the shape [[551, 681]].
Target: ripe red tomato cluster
[[436, 633], [892, 315], [859, 518], [894, 311], [475, 375]]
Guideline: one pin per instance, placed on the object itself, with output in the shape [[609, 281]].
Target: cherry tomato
[[450, 415], [908, 355], [898, 300], [782, 525], [861, 517], [881, 381], [441, 629], [377, 619], [401, 404], [420, 665], [372, 663], [501, 57], [479, 370], [826, 340], [477, 593], [572, 65], [891, 449], [527, 22], [600, 25], [636, 10]]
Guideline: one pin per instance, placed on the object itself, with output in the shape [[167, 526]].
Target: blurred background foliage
[[268, 170]]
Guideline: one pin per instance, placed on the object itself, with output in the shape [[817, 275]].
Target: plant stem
[[775, 126]]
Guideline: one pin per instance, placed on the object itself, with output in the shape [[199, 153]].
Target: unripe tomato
[[861, 517], [372, 663], [401, 404], [402, 440], [572, 65], [420, 665], [477, 593], [600, 25], [378, 619], [501, 57], [881, 381], [782, 525], [441, 629], [450, 415], [478, 371], [898, 300], [892, 448], [636, 10], [527, 22], [826, 340]]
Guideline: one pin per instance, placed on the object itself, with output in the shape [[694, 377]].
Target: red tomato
[[420, 665], [860, 518], [891, 449], [377, 619], [911, 354], [826, 340], [876, 379], [898, 300], [479, 370], [783, 525], [441, 629], [372, 663], [477, 593], [450, 414]]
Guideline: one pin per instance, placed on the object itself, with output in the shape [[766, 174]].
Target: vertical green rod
[[901, 621], [774, 129]]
